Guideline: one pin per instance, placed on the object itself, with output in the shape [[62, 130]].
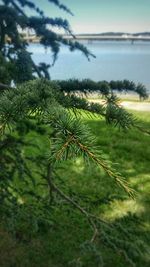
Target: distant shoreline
[[108, 36], [132, 105]]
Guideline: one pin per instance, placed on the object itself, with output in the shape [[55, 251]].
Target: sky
[[96, 16]]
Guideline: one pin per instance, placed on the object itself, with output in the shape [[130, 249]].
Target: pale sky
[[95, 16]]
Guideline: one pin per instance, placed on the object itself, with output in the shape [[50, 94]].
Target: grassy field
[[91, 187]]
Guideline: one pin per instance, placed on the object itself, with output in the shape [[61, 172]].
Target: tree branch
[[4, 86], [89, 216], [49, 181]]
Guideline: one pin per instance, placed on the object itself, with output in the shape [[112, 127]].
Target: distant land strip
[[96, 37]]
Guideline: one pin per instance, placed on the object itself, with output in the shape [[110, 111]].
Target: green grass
[[91, 187]]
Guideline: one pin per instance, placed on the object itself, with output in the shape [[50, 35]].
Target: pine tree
[[13, 47], [53, 111]]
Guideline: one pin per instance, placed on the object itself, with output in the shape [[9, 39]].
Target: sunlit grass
[[119, 209]]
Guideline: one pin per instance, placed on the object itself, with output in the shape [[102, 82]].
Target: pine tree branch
[[81, 209], [49, 181], [18, 9], [97, 225], [61, 6], [4, 86], [118, 178], [141, 129]]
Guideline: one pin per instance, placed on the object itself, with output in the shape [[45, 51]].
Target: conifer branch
[[141, 129], [81, 209], [4, 86], [100, 228], [49, 181], [118, 178], [58, 153]]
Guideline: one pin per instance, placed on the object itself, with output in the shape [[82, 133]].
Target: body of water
[[114, 61]]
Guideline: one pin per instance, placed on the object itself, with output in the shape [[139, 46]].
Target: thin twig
[[4, 86], [141, 129], [82, 210], [49, 181]]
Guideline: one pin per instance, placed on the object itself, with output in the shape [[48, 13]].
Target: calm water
[[114, 61]]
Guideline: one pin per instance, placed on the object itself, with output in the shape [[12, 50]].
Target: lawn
[[60, 242]]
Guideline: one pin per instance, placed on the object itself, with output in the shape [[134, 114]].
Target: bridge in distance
[[90, 38], [111, 38]]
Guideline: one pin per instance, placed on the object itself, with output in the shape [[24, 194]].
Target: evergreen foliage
[[13, 47], [103, 88]]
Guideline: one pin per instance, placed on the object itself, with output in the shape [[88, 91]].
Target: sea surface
[[114, 61]]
